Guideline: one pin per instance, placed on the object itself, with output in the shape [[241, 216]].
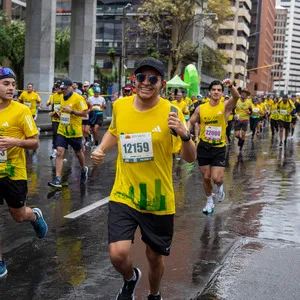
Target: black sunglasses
[[141, 78]]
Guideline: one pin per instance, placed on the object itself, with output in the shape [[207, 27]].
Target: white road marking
[[87, 209]]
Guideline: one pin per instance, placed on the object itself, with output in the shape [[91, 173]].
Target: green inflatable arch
[[192, 78]]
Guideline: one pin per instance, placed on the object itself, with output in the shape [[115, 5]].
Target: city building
[[291, 62], [278, 48], [14, 8], [233, 40], [261, 41]]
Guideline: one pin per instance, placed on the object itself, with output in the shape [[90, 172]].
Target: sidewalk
[[257, 269]]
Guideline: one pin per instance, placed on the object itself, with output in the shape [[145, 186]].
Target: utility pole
[[236, 23], [123, 55]]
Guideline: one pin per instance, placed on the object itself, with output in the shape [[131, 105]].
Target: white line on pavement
[[86, 209]]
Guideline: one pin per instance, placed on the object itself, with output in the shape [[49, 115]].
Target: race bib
[[274, 112], [256, 110], [3, 156], [236, 116], [28, 104], [65, 119], [136, 147], [283, 112], [56, 107], [213, 133]]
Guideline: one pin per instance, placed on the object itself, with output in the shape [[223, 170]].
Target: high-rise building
[[291, 62], [278, 48], [15, 9], [233, 40], [261, 46]]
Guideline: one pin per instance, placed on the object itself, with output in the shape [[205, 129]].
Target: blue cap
[[97, 89]]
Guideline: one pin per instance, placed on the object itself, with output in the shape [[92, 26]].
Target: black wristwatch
[[187, 138], [230, 86], [72, 112]]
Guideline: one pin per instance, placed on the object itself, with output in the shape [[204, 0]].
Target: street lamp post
[[199, 13], [246, 59], [123, 55]]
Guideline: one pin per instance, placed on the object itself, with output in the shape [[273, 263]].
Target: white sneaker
[[209, 208], [53, 155], [220, 196]]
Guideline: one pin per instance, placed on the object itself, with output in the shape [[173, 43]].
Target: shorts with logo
[[208, 155], [285, 125], [156, 230], [14, 192], [240, 125], [75, 143]]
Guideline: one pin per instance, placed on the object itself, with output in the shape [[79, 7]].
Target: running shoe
[[157, 297], [127, 290], [220, 196], [55, 183], [3, 270], [209, 208], [53, 155], [84, 175], [39, 225]]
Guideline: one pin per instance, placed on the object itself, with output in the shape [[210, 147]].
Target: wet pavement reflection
[[261, 185]]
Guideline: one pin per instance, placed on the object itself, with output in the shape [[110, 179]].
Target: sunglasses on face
[[7, 71], [141, 78]]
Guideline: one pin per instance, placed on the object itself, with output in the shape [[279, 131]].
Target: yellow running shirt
[[30, 100], [213, 124], [241, 110], [55, 101], [70, 126], [284, 110], [144, 166], [274, 111], [16, 122], [256, 111]]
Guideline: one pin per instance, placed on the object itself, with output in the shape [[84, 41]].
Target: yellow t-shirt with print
[[284, 110], [256, 111], [55, 101], [144, 166], [16, 122], [274, 111], [241, 109], [70, 126], [213, 124], [30, 100]]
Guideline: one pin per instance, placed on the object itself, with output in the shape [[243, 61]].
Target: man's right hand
[[97, 156]]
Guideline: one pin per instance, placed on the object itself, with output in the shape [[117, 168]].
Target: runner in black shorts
[[213, 117], [17, 132]]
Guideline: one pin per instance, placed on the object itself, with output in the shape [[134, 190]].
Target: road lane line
[[86, 209]]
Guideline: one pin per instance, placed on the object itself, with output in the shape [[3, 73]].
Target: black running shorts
[[208, 155], [14, 192], [75, 143], [240, 125], [157, 231], [285, 125]]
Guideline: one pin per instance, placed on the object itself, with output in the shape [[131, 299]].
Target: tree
[[173, 20], [62, 48], [12, 46]]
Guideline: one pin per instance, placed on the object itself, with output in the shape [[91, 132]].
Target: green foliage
[[12, 46], [106, 80], [152, 52], [213, 62], [112, 55], [62, 48]]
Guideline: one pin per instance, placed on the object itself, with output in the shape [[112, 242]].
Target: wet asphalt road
[[262, 188]]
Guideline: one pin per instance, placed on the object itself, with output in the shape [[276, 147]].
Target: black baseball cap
[[152, 63], [65, 83]]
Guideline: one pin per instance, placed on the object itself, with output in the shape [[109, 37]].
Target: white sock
[[133, 277], [220, 188], [210, 199]]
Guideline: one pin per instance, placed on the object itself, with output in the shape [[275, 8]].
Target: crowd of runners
[[149, 127]]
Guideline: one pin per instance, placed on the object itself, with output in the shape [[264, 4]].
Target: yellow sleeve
[[28, 124], [81, 105], [113, 126], [50, 100], [21, 97]]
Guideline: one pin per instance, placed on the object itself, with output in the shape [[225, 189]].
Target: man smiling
[[143, 193]]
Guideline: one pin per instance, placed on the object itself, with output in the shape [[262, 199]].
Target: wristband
[[230, 86], [187, 138], [72, 112]]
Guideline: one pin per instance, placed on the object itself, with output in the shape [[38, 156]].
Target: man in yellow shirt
[[17, 132], [30, 99], [182, 105], [73, 107], [211, 150], [242, 113], [55, 102], [286, 109], [143, 192]]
